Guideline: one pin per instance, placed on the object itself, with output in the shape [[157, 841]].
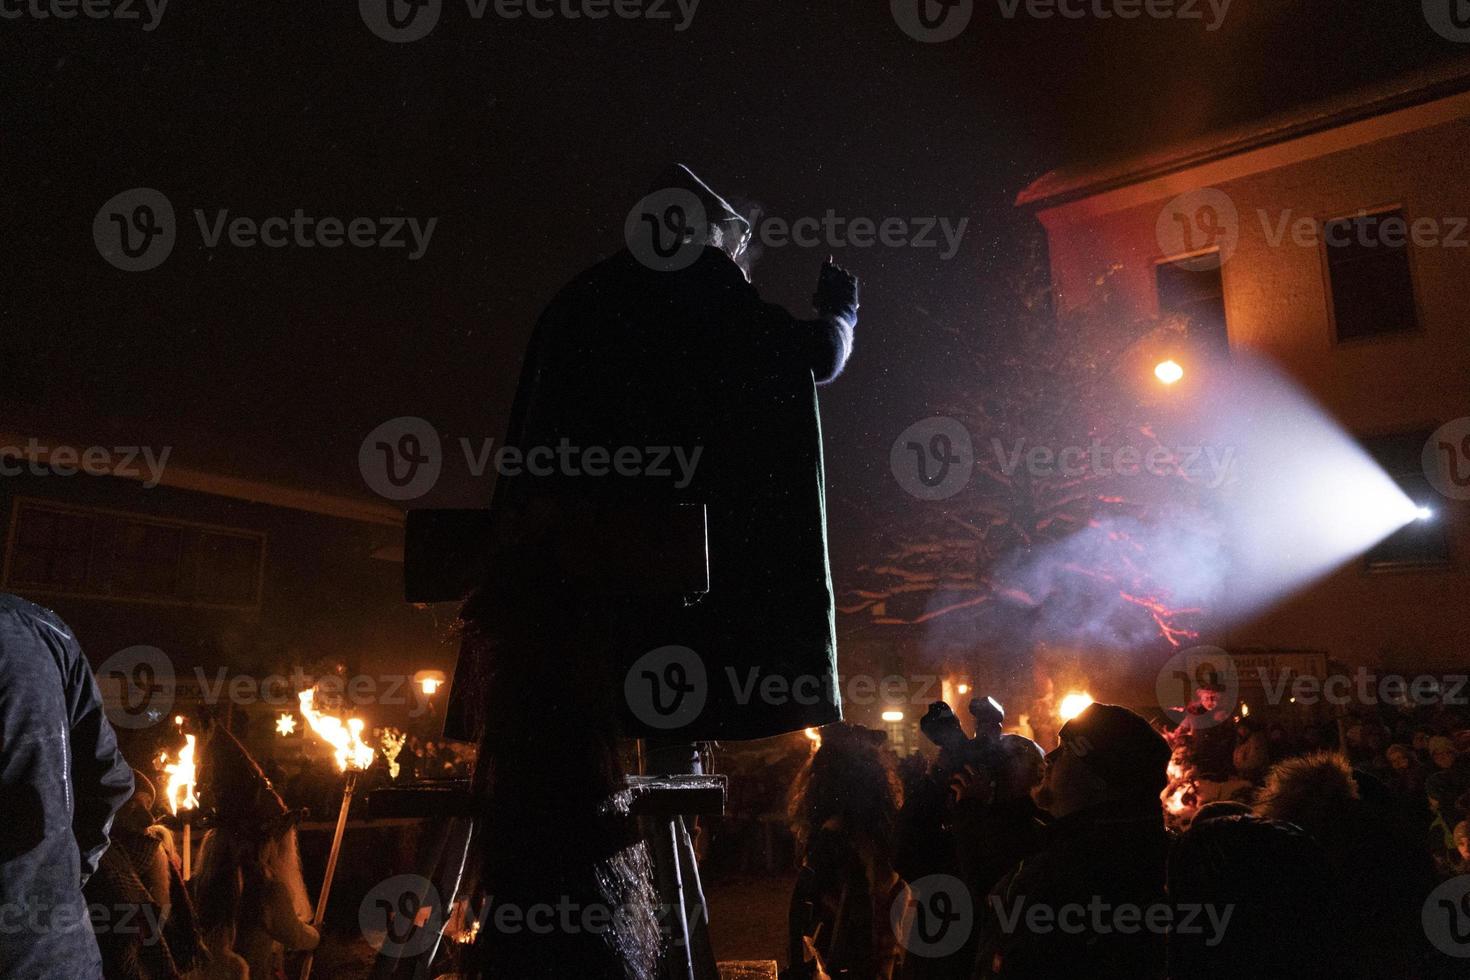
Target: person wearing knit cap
[[1106, 848], [251, 899], [1107, 753]]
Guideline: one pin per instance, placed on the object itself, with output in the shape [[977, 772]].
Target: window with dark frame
[[76, 551], [1418, 544], [1198, 294], [1368, 274]]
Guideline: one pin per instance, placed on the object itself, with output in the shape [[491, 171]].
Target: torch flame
[[814, 736], [346, 741], [1073, 705], [1178, 795], [181, 779]]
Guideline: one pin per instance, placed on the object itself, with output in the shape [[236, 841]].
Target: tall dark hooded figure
[[656, 384]]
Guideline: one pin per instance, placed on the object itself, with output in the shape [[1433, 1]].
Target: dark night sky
[[530, 141]]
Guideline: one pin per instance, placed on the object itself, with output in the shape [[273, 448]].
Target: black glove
[[837, 291]]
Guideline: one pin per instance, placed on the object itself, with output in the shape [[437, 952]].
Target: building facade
[[1334, 243]]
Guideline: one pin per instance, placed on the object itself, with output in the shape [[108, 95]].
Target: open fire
[[348, 748]]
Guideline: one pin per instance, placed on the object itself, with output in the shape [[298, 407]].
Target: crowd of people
[[1219, 846]]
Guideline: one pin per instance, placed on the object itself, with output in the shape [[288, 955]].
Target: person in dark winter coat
[[645, 390], [1257, 900], [1382, 874], [631, 358], [62, 780], [992, 823], [997, 822], [1103, 855]]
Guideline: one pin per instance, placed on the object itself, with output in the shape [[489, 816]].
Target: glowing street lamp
[[1168, 371], [430, 681]]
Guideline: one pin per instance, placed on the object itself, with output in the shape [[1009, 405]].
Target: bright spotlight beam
[[1303, 498]]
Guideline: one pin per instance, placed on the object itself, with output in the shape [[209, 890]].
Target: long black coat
[[62, 780], [627, 356], [1108, 853]]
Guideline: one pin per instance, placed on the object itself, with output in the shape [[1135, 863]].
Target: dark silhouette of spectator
[[994, 823], [64, 780], [1442, 789], [1219, 810], [1442, 754], [1106, 847], [1254, 899], [1383, 876], [1405, 774], [843, 810], [151, 932], [1459, 862], [997, 822]]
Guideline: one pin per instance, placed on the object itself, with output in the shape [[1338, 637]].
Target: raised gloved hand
[[837, 291]]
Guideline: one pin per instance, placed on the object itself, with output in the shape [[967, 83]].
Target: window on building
[[1418, 544], [1198, 294], [58, 549], [1368, 272]]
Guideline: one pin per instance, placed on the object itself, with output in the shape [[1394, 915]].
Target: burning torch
[[353, 755], [181, 796]]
